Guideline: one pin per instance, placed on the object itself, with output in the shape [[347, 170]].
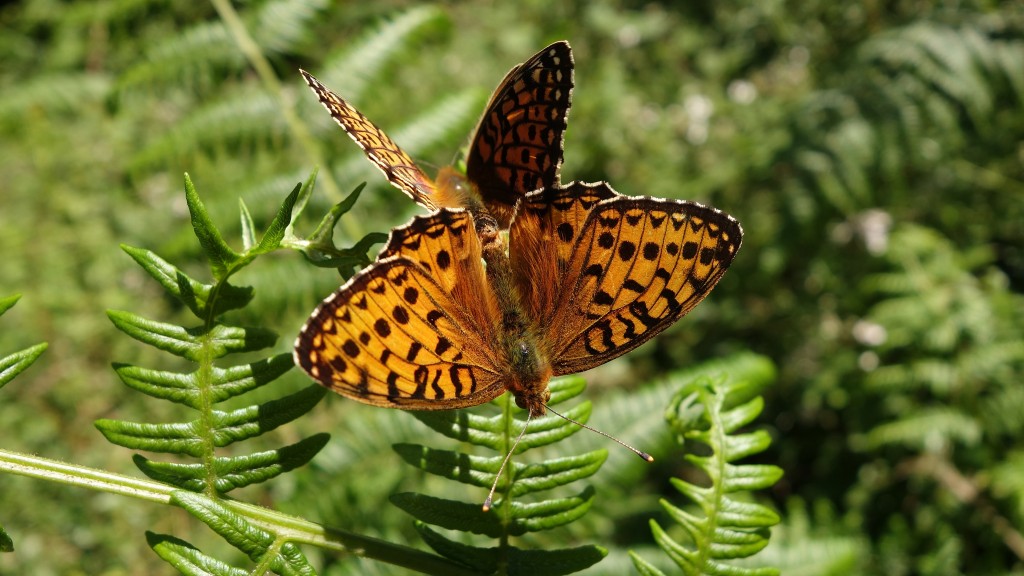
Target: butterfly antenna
[[643, 455], [490, 495]]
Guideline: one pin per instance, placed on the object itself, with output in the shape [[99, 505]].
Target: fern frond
[[189, 56], [209, 385], [364, 63], [245, 116], [192, 56], [280, 26], [628, 415], [510, 516], [726, 528], [914, 90], [812, 546], [925, 429], [60, 92]]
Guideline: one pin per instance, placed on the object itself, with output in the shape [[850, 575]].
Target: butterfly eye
[[523, 353]]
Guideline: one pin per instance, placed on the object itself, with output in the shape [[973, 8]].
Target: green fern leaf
[[365, 61], [192, 344], [258, 544], [178, 438], [236, 471], [644, 567], [319, 248], [726, 528], [188, 559], [14, 364], [514, 561], [189, 292], [8, 302], [221, 256], [223, 383], [278, 228]]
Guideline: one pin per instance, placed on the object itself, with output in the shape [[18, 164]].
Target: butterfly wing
[[623, 268], [409, 331], [517, 145], [396, 165]]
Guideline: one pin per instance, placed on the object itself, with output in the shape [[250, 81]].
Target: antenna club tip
[[647, 457], [487, 505]]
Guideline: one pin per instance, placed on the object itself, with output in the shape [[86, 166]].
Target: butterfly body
[[452, 315]]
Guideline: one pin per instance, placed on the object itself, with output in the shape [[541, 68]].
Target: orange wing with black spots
[[621, 269], [409, 331], [517, 145], [396, 165]]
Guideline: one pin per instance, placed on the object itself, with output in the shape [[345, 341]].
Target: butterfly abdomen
[[528, 367]]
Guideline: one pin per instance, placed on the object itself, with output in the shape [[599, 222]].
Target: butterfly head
[[452, 188]]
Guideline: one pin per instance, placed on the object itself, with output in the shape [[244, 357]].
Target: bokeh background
[[872, 150]]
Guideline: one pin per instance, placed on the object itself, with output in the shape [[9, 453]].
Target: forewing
[[637, 265], [402, 333], [396, 165], [445, 245], [517, 145]]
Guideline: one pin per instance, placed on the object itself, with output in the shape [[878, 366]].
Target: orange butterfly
[[447, 317]]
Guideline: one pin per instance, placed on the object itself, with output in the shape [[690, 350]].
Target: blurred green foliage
[[873, 152]]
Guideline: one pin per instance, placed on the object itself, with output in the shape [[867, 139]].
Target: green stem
[[506, 493], [84, 477], [288, 528], [252, 52]]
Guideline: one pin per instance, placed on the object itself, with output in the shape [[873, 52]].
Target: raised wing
[[517, 145], [396, 165], [635, 266], [408, 332]]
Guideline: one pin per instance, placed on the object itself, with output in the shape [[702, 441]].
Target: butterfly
[[447, 317], [516, 146]]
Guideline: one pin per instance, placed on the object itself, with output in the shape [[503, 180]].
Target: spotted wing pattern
[[622, 268], [408, 331], [517, 146], [396, 165]]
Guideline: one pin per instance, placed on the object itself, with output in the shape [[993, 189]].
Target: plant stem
[[254, 54], [84, 477], [290, 528]]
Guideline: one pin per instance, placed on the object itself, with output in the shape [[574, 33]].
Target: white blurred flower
[[869, 333], [742, 91], [699, 109]]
